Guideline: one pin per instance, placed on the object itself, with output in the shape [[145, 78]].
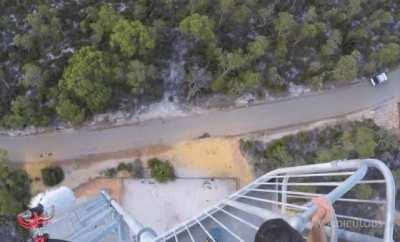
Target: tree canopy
[[284, 24], [88, 77], [68, 62], [132, 38], [101, 22], [199, 26], [44, 29], [139, 75], [346, 69]]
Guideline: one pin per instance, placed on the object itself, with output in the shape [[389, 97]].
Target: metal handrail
[[300, 222], [355, 168]]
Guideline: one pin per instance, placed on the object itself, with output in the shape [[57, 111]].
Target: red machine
[[35, 219]]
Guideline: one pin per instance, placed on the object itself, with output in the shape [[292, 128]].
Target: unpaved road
[[83, 142]]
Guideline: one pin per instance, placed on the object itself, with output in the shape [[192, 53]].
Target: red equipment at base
[[34, 219]]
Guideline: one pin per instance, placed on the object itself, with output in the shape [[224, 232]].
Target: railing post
[[145, 235], [284, 194]]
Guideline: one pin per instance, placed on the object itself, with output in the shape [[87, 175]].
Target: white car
[[378, 79]]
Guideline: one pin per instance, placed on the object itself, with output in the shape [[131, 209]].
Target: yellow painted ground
[[215, 157]]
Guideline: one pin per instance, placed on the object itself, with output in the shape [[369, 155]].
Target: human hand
[[324, 212]]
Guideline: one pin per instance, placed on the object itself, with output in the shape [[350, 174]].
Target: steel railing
[[274, 196], [283, 193]]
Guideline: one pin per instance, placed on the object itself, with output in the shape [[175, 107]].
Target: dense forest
[[350, 140], [68, 60]]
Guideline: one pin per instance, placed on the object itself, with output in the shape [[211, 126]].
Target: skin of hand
[[324, 212], [322, 216]]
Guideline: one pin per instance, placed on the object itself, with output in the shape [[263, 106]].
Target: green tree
[[353, 7], [250, 79], [44, 29], [25, 41], [265, 15], [330, 154], [275, 79], [284, 24], [379, 17], [229, 61], [245, 81], [333, 43], [346, 69], [198, 26], [281, 50], [132, 38], [311, 15], [33, 76], [225, 7], [257, 48], [24, 113], [105, 20], [361, 140], [307, 31], [241, 14], [358, 35], [389, 55], [198, 6], [87, 76], [139, 75], [218, 85], [277, 151], [70, 112], [364, 142]]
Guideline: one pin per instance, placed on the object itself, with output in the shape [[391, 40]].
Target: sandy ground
[[212, 157], [34, 171], [162, 206]]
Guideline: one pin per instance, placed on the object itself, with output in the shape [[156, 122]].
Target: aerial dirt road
[[79, 143]]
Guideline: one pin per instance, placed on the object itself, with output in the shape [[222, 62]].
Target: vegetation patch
[[344, 141], [352, 140], [15, 195], [52, 175], [112, 55], [161, 171], [133, 169]]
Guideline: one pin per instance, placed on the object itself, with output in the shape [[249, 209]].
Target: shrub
[[110, 172], [137, 169], [161, 171], [125, 167], [52, 175]]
